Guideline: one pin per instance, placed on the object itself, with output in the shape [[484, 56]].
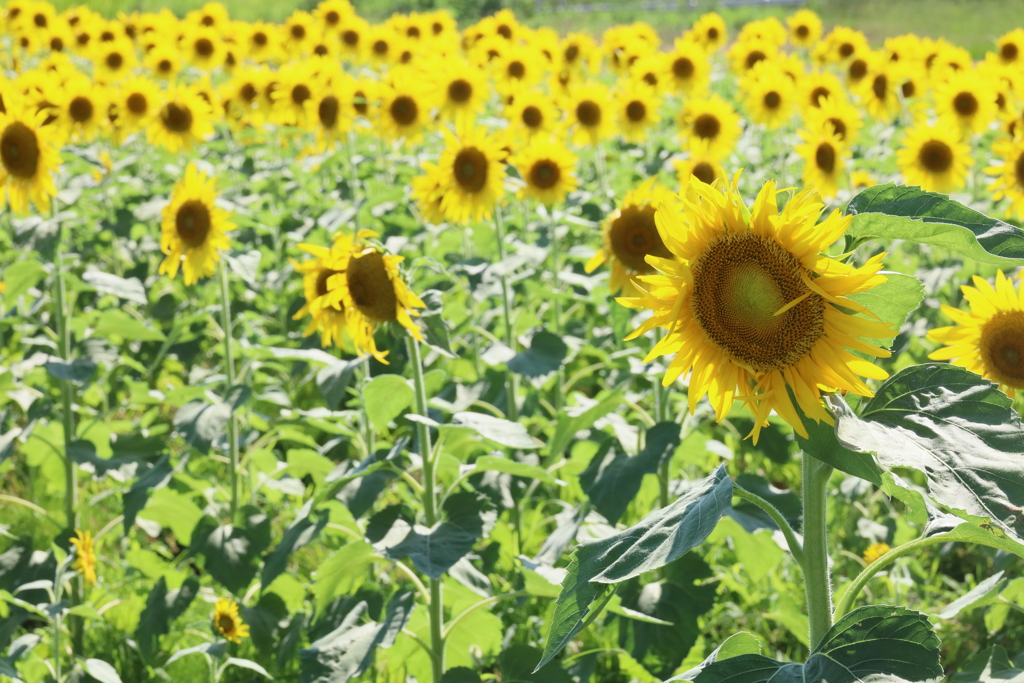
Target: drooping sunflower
[[688, 67], [548, 170], [532, 114], [193, 228], [824, 158], [82, 109], [326, 318], [1010, 180], [182, 121], [769, 96], [403, 110], [472, 174], [637, 106], [968, 100], [630, 236], [804, 28], [710, 31], [700, 167], [428, 193], [137, 100], [710, 126], [85, 556], [933, 157], [838, 115], [754, 309], [458, 88], [28, 157], [589, 113], [989, 339], [228, 623]]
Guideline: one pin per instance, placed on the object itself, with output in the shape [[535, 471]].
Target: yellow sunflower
[[517, 66], [532, 114], [862, 180], [835, 114], [846, 44], [968, 100], [879, 91], [745, 55], [85, 556], [352, 36], [403, 111], [297, 33], [261, 42], [754, 309], [326, 318], [804, 28], [472, 174], [630, 236], [204, 48], [576, 51], [294, 98], [933, 157], [332, 104], [182, 121], [548, 170], [688, 67], [824, 160], [28, 157], [988, 340], [700, 167], [589, 113], [875, 551], [113, 60], [710, 31], [458, 88], [228, 623], [769, 96], [652, 71], [428, 193], [1010, 47], [817, 85], [137, 100], [193, 228], [710, 126], [163, 61], [82, 109], [1010, 180], [637, 106]]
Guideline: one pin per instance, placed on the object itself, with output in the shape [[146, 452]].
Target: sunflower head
[[85, 560], [934, 157], [428, 191], [824, 156], [28, 156], [1010, 180], [589, 112], [182, 120], [227, 621], [548, 170], [194, 229], [804, 28], [473, 174], [710, 126]]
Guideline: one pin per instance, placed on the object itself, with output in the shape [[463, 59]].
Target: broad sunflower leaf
[[545, 355], [79, 371], [20, 276], [201, 423], [230, 551], [334, 379], [657, 540], [490, 463], [101, 671], [162, 607], [114, 323], [299, 534], [889, 212], [516, 664], [892, 301], [502, 432], [737, 644], [823, 445], [385, 398], [129, 289], [878, 640], [568, 424], [991, 665], [956, 428], [984, 593]]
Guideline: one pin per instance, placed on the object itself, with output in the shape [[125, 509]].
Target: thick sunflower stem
[[556, 291], [429, 498], [511, 381], [816, 576], [229, 371]]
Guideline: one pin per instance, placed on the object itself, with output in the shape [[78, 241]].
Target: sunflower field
[[412, 352]]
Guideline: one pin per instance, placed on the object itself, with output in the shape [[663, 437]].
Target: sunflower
[[382, 45], [352, 36], [203, 48], [710, 31], [294, 99], [472, 175], [589, 113], [652, 71], [846, 44], [326, 318], [182, 120], [28, 157], [630, 236], [459, 89], [516, 67], [85, 556], [113, 60], [1010, 47], [824, 160], [769, 96], [332, 14], [818, 85], [137, 100], [875, 551], [548, 169], [532, 113], [428, 192], [754, 308], [403, 111], [1010, 180], [768, 29], [988, 340], [297, 32], [856, 71], [710, 126], [82, 108], [688, 67], [163, 61], [261, 42], [228, 623], [210, 15], [967, 100], [701, 168], [193, 228], [371, 291], [575, 52], [637, 106], [837, 115], [933, 157], [60, 37], [332, 104], [745, 55], [804, 28]]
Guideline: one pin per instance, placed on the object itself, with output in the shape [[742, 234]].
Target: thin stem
[[816, 577], [511, 380], [229, 370], [556, 290], [429, 498], [660, 415], [795, 546]]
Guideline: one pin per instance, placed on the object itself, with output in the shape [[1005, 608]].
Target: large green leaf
[[823, 445], [299, 534], [658, 539], [890, 212], [956, 428], [874, 640], [568, 424], [990, 666], [386, 397], [545, 355], [162, 607], [892, 301], [231, 551]]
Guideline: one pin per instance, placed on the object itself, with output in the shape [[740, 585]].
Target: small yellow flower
[[875, 551], [85, 563], [227, 621]]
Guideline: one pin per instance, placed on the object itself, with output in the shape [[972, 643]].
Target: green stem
[[429, 505], [368, 432], [229, 370], [816, 578], [556, 290], [511, 380], [661, 415], [795, 547]]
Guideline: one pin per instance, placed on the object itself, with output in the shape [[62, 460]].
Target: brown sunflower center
[[471, 169], [192, 222], [571, 53], [682, 67], [39, 20], [360, 103], [298, 31], [459, 90], [817, 94], [437, 27], [226, 623], [704, 172], [328, 110], [838, 127], [588, 113], [321, 280], [880, 86], [636, 111], [404, 110], [802, 31], [350, 38], [19, 150], [532, 117], [1018, 170], [965, 103], [936, 156], [909, 89], [56, 44], [712, 33], [846, 50], [380, 47], [332, 17], [516, 69], [371, 288], [825, 157], [633, 235], [164, 66], [300, 93], [707, 126], [260, 38], [858, 69], [772, 100], [650, 78], [80, 109], [320, 50], [207, 20], [204, 47], [545, 174], [740, 282], [753, 57], [114, 60], [412, 32], [1002, 348], [176, 118], [249, 92], [1009, 51], [505, 31], [137, 103]]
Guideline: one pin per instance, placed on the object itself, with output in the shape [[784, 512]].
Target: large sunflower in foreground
[[28, 157], [193, 228], [227, 621], [1010, 183], [754, 309], [933, 157], [988, 340], [630, 235], [472, 174], [548, 169]]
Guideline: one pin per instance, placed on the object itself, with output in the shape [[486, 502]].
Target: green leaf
[[501, 432], [991, 665], [737, 644], [101, 671], [892, 301], [890, 212], [568, 425], [162, 607], [117, 324], [156, 477], [20, 276], [915, 507], [823, 445], [658, 539], [301, 533], [385, 398], [129, 289], [545, 355], [174, 511], [517, 662], [230, 551], [334, 379], [490, 463], [216, 649], [247, 664], [340, 572], [983, 594], [957, 429], [432, 324], [78, 371], [200, 423], [873, 640]]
